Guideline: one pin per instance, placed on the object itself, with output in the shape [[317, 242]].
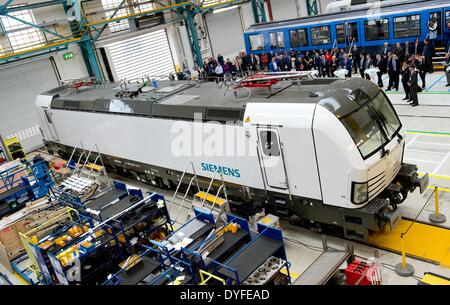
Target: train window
[[256, 42], [447, 20], [269, 143], [276, 40], [320, 35], [407, 26], [350, 30], [377, 29], [436, 17], [298, 38], [364, 128]]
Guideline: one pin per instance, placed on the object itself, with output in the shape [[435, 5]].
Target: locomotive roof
[[181, 99]]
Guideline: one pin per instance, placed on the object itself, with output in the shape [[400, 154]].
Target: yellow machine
[[14, 148]]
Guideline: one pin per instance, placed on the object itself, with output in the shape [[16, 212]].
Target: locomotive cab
[[360, 146]]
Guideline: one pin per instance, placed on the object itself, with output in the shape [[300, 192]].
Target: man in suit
[[418, 47], [346, 63], [355, 56], [386, 49], [409, 50], [367, 65], [394, 72], [400, 52], [405, 79], [428, 52], [362, 64], [380, 63], [413, 86]]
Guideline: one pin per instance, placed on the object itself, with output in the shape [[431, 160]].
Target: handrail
[[217, 196], [181, 181], [87, 160], [209, 187], [184, 198]]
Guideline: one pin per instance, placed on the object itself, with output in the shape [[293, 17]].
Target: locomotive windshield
[[373, 125]]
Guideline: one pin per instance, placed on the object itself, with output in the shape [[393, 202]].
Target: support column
[[259, 12], [86, 44], [189, 15], [91, 58]]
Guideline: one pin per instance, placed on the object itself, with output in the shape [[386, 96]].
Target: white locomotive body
[[328, 152]]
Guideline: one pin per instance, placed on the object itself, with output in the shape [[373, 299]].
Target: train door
[[271, 158], [436, 17], [447, 31]]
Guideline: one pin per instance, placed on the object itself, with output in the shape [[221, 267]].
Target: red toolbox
[[358, 269]]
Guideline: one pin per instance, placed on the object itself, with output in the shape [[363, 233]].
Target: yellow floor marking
[[422, 241], [434, 280]]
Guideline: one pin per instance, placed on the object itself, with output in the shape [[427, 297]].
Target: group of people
[[403, 63]]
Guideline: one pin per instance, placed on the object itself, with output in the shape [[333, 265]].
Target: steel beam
[[4, 6], [42, 28], [259, 12], [189, 15], [99, 32], [88, 46], [35, 5], [312, 7]]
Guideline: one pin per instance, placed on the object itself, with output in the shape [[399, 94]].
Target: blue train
[[367, 28]]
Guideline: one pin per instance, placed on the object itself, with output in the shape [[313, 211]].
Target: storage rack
[[232, 257], [154, 268], [23, 183]]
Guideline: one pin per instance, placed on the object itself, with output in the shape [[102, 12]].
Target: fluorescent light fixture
[[220, 10]]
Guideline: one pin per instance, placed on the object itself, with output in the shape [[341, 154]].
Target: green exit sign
[[69, 55]]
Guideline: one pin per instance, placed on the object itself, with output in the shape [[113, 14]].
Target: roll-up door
[[147, 54], [19, 86]]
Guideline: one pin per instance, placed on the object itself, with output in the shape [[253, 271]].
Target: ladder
[[180, 182], [216, 205], [79, 170], [203, 200]]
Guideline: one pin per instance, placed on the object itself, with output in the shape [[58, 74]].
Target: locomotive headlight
[[360, 193]]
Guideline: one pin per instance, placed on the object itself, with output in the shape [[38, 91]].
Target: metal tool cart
[[259, 262], [151, 267], [23, 182], [191, 234], [54, 217], [218, 246], [56, 242], [86, 259]]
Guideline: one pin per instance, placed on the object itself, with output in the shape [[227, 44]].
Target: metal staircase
[[87, 169], [214, 204]]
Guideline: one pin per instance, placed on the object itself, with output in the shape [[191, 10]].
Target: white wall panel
[[226, 33]]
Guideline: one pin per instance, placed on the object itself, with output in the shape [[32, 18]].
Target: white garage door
[[19, 86], [147, 54], [226, 33]]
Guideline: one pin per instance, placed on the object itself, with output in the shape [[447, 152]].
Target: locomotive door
[[271, 158]]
